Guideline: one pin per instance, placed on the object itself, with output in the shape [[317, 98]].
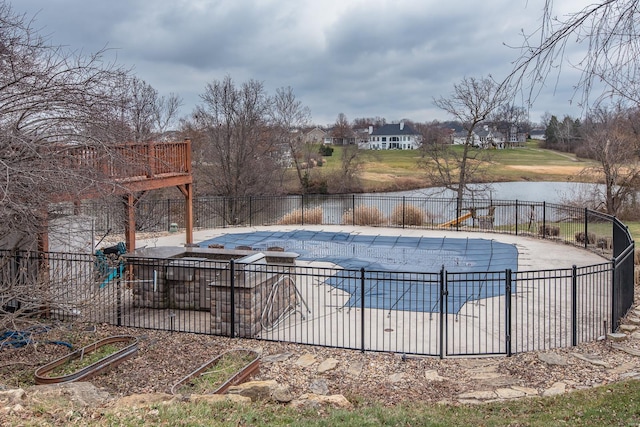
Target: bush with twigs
[[408, 215], [309, 216], [363, 215]]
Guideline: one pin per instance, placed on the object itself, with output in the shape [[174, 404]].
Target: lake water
[[551, 192]]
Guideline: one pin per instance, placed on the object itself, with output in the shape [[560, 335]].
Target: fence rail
[[441, 313]]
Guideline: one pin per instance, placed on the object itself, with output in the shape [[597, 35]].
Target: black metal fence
[[439, 313]]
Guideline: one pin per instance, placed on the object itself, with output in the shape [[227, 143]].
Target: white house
[[482, 138], [394, 136]]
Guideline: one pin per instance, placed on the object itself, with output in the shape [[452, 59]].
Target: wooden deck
[[138, 166], [132, 169]]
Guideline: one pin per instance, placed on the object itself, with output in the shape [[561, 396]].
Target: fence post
[[403, 202], [224, 212], [302, 208], [362, 305], [353, 209], [443, 296], [118, 297], [516, 217], [232, 299], [544, 220], [457, 215], [574, 306], [507, 314], [586, 230], [614, 296]]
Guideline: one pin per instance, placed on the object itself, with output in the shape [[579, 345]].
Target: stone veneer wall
[[191, 279], [254, 295]]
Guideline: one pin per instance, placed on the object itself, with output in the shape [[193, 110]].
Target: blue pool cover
[[389, 260]]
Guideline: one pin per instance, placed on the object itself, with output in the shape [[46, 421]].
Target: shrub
[[589, 240], [410, 215], [311, 216], [549, 230], [325, 150], [363, 215]]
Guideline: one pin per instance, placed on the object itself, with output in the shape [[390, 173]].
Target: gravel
[[164, 358]]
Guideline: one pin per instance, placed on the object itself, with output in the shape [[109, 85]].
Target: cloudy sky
[[363, 58]]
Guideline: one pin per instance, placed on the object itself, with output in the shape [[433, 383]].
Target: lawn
[[611, 405], [392, 170]]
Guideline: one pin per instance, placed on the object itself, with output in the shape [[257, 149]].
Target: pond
[[551, 192]]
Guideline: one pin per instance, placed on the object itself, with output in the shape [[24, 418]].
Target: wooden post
[[187, 191], [187, 156]]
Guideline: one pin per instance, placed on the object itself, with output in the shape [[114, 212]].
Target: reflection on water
[[551, 192]]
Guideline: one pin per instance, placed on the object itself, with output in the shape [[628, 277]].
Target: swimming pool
[[394, 264]]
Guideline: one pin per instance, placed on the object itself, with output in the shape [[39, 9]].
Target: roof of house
[[394, 129]]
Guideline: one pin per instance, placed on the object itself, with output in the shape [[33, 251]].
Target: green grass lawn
[[528, 163], [611, 405]]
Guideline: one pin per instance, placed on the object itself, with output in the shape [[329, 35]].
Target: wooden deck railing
[[132, 161]]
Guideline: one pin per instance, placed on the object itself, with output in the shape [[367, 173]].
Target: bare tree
[[342, 133], [610, 139], [54, 105], [471, 103], [350, 166], [239, 154], [289, 118], [511, 121], [142, 114], [607, 33]]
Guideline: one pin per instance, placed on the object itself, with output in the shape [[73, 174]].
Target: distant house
[[394, 136], [482, 138], [339, 136], [538, 134], [314, 136]]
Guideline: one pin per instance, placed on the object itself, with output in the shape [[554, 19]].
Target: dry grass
[[363, 215], [408, 215], [310, 216]]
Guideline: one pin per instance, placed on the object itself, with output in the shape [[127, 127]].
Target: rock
[[528, 391], [396, 378], [631, 351], [432, 375], [631, 375], [78, 394], [616, 336], [145, 400], [319, 386], [281, 394], [635, 335], [306, 360], [314, 401], [215, 398], [355, 368], [634, 320], [276, 357], [509, 393], [553, 359], [621, 369], [591, 358], [478, 395], [628, 328], [555, 389], [485, 375], [255, 390], [12, 397], [327, 365]]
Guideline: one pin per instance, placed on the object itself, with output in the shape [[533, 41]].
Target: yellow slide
[[456, 221]]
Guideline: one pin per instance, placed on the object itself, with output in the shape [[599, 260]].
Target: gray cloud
[[362, 58]]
